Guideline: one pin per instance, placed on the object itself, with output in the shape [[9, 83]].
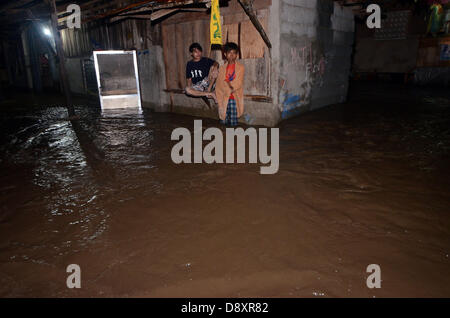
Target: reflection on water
[[76, 167], [359, 183]]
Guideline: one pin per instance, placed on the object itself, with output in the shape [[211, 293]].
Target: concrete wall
[[316, 38], [152, 79]]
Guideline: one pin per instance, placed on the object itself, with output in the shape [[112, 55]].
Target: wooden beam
[[18, 16], [119, 10], [139, 7], [62, 8], [14, 4], [247, 5], [62, 62], [157, 6], [153, 16], [90, 11]]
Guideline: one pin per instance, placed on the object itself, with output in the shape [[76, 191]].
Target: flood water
[[365, 182]]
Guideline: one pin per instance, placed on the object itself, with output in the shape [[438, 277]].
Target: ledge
[[255, 98]]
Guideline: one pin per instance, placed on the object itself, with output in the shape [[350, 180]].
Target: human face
[[196, 55], [231, 56]]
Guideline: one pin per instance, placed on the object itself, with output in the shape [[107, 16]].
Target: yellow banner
[[215, 26]]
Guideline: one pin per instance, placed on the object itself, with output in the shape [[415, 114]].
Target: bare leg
[[213, 73], [192, 92]]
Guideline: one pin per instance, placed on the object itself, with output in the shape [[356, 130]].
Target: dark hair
[[230, 46], [195, 46]]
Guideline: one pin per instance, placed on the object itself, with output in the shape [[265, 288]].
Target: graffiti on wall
[[311, 62], [293, 103], [310, 66]]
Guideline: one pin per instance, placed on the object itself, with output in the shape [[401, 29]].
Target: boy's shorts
[[202, 85]]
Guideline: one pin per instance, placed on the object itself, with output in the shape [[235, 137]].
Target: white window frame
[[136, 72]]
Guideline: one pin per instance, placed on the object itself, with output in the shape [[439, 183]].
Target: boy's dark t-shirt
[[198, 70]]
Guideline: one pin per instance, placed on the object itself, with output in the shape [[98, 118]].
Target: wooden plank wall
[[176, 41], [180, 30], [124, 35]]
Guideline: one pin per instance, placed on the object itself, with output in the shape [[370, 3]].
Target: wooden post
[[62, 62], [247, 5]]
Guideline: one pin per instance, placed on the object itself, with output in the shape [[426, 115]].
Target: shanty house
[[297, 53]]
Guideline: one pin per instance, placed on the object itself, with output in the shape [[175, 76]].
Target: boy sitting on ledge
[[201, 74]]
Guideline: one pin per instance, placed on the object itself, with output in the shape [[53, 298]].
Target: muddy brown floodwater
[[365, 182]]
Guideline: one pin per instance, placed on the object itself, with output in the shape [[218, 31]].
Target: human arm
[[238, 82], [188, 75]]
